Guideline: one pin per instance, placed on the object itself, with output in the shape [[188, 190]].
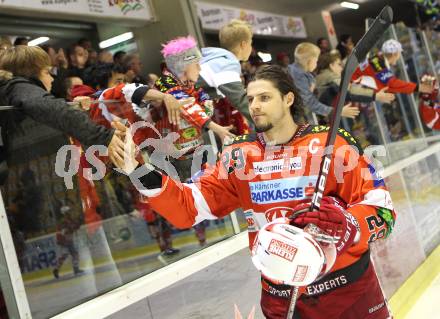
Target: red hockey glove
[[331, 218]]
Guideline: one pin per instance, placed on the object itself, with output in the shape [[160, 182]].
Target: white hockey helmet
[[293, 256]]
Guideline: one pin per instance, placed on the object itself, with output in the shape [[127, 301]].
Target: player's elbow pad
[[150, 179]]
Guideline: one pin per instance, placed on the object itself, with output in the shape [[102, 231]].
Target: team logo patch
[[252, 224], [282, 190], [277, 212], [384, 76], [282, 250], [189, 133], [277, 166]]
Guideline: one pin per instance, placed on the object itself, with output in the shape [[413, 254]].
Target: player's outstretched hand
[[427, 84], [122, 151], [350, 111], [173, 108], [84, 102], [332, 218], [385, 97], [222, 131]]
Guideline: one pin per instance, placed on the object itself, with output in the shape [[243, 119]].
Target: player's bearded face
[[266, 105]]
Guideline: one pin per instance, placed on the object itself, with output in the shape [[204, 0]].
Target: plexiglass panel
[[75, 244]]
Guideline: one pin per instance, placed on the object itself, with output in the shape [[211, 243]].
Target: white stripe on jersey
[[203, 210], [150, 192], [128, 90], [377, 197], [105, 112]]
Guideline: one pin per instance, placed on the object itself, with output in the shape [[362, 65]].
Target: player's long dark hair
[[284, 83]]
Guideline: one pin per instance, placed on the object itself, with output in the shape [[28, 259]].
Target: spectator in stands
[[255, 59], [58, 59], [71, 82], [103, 76], [345, 45], [29, 202], [105, 57], [323, 44], [247, 72], [182, 70], [58, 70], [119, 56], [220, 67], [25, 83], [21, 41], [5, 43], [306, 58], [283, 61], [78, 57], [182, 58], [93, 57], [85, 43], [378, 70], [329, 78], [152, 78], [133, 64]]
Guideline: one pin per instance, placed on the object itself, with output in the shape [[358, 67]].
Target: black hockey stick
[[358, 55]]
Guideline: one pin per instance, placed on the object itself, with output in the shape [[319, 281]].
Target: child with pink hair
[[178, 78]]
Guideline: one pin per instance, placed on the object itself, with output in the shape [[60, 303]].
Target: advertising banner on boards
[[213, 17], [125, 9]]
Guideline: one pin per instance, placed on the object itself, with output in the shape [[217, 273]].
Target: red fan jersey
[[194, 116], [377, 68]]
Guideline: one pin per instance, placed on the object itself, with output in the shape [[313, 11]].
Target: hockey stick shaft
[[359, 53], [294, 296]]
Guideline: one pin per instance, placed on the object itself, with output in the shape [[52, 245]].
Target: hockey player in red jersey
[[272, 174]]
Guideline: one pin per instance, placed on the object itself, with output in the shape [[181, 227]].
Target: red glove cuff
[[331, 218]]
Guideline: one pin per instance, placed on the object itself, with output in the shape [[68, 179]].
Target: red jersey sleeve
[[184, 205], [193, 113], [398, 86], [364, 192], [378, 69]]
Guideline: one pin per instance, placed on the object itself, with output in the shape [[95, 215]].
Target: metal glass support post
[[235, 224], [380, 123], [412, 100], [405, 116], [428, 53], [10, 275]]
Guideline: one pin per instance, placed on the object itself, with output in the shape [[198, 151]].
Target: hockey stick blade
[[374, 33], [358, 54]]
